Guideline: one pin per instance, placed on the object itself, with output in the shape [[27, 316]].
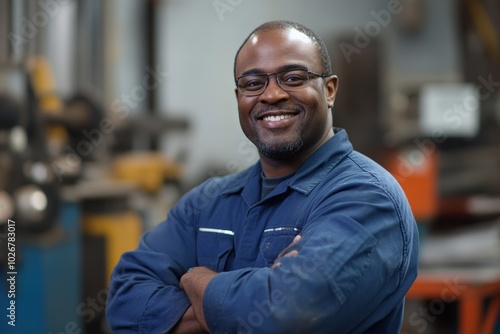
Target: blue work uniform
[[357, 257]]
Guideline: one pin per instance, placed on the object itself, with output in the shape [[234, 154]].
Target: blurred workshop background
[[111, 110]]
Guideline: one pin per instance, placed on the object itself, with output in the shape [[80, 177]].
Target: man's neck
[[273, 167]]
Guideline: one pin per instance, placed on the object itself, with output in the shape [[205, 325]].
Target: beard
[[281, 149]]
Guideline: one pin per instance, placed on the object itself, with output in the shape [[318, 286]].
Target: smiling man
[[314, 238]]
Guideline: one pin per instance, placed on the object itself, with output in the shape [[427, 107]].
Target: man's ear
[[331, 84]]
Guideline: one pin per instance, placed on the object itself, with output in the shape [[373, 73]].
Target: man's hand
[[287, 252], [194, 283], [188, 324]]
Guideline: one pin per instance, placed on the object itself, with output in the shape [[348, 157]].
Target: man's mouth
[[274, 118], [278, 118]]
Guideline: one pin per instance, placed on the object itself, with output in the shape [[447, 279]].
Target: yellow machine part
[[122, 232], [485, 28], [44, 85], [148, 170]]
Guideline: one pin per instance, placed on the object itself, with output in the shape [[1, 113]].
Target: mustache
[[295, 109]]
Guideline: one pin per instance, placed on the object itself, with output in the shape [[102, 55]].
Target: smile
[[274, 118]]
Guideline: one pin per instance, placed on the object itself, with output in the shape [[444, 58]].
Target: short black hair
[[326, 66]]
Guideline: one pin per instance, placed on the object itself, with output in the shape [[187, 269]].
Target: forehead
[[269, 50]]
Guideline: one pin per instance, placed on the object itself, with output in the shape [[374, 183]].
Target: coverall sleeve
[[144, 294], [352, 264]]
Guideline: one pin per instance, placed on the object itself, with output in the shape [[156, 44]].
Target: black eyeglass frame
[[287, 89]]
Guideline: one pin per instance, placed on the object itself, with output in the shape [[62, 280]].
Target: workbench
[[476, 289]]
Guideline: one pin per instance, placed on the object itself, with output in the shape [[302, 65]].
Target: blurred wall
[[124, 49], [61, 33]]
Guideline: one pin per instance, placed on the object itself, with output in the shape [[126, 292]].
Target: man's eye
[[293, 80], [253, 84]]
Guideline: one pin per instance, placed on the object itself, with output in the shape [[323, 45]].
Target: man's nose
[[273, 92]]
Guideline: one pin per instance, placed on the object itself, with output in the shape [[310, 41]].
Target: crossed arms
[[194, 283], [343, 274]]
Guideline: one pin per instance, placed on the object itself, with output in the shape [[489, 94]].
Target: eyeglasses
[[288, 80]]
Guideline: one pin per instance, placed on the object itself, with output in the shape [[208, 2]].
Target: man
[[220, 262]]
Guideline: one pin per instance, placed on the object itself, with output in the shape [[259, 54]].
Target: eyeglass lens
[[288, 80]]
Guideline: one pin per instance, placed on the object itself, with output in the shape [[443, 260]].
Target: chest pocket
[[214, 248], [274, 241]]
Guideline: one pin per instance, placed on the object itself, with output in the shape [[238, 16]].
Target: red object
[[416, 169], [470, 288]]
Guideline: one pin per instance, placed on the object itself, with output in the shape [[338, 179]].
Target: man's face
[[280, 123]]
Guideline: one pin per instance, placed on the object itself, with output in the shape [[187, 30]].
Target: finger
[[296, 239], [276, 264], [291, 253], [285, 251]]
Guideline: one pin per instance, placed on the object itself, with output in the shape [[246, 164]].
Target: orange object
[[416, 169], [470, 288]]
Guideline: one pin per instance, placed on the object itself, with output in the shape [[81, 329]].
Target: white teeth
[[276, 118]]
